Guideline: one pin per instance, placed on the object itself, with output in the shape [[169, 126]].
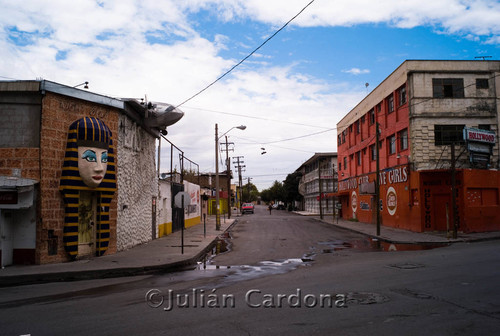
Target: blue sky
[[301, 82]]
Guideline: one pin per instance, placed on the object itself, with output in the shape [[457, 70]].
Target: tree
[[275, 193], [291, 187], [250, 192]]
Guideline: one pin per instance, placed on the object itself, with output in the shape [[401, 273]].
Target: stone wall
[[137, 184], [476, 108]]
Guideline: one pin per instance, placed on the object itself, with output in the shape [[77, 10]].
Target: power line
[[299, 137], [255, 117], [248, 56]]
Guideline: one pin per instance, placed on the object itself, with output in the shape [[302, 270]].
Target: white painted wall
[[137, 184]]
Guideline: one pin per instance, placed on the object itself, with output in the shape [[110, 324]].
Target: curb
[[41, 278], [388, 240]]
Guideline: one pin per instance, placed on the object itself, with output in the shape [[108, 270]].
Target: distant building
[[207, 181], [318, 183], [424, 110], [77, 172]]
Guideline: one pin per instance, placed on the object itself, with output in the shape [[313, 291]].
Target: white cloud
[[356, 71], [110, 44]]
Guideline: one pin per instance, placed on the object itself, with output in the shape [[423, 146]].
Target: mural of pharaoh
[[88, 183]]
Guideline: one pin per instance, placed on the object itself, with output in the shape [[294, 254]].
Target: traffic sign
[[178, 199]]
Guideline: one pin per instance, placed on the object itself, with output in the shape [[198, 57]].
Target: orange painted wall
[[481, 198]]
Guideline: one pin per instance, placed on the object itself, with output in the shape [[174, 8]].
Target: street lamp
[[217, 206]]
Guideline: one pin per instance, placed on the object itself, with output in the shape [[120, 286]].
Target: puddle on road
[[372, 244], [235, 273]]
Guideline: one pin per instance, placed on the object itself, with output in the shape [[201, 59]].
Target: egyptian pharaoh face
[[89, 165], [92, 165]]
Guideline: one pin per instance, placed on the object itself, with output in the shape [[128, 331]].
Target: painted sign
[[8, 197], [354, 201], [387, 176], [479, 135], [392, 201]]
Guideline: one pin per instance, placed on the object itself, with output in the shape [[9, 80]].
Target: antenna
[[483, 57]]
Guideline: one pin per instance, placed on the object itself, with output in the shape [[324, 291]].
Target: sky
[[290, 93]]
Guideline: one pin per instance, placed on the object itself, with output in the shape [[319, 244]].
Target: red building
[[438, 152]]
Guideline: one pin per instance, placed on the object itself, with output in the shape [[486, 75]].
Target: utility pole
[[228, 175], [217, 207], [239, 166], [248, 187], [454, 192], [377, 178]]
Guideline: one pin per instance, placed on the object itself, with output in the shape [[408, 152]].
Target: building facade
[[319, 183], [438, 154], [77, 172]]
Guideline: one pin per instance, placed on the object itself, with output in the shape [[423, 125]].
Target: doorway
[[87, 218], [442, 211], [6, 249]]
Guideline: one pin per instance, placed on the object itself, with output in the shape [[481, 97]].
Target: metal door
[[6, 238], [87, 216]]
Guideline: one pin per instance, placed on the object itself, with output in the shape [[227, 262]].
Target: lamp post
[[217, 205]]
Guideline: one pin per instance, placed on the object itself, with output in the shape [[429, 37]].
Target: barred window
[[482, 83], [392, 144], [402, 95], [448, 87], [390, 104], [403, 139], [448, 134], [373, 152]]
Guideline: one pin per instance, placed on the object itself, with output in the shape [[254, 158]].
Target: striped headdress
[[88, 132]]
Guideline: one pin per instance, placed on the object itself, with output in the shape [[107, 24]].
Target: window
[[482, 83], [340, 166], [403, 139], [448, 134], [448, 87], [339, 140], [371, 116], [402, 95], [392, 144], [373, 153], [343, 136], [358, 127], [390, 104], [363, 119], [358, 158], [345, 162]]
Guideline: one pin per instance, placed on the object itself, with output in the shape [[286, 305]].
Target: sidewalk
[[399, 236], [141, 259]]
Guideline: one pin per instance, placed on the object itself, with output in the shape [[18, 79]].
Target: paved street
[[276, 279]]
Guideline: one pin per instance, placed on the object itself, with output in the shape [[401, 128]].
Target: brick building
[[438, 149], [43, 193]]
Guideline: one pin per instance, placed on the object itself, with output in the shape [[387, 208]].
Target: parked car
[[247, 208]]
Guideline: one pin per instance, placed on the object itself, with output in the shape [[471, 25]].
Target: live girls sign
[[388, 176]]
